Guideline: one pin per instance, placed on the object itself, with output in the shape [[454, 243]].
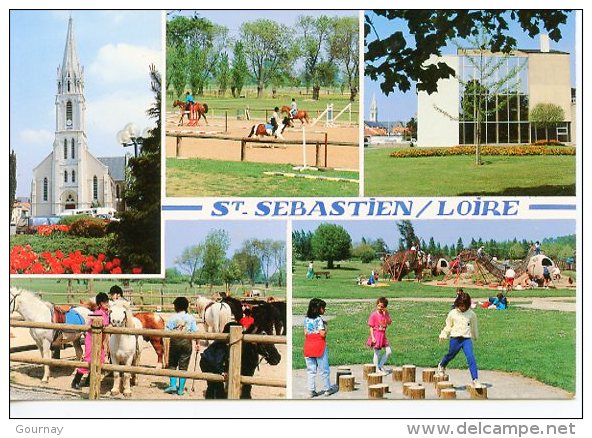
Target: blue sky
[[115, 48], [180, 234], [400, 106], [447, 232]]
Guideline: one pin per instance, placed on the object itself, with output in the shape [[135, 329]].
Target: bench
[[327, 274]]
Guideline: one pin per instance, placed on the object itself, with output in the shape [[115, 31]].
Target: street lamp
[[128, 136]]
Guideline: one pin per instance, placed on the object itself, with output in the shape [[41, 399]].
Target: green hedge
[[66, 244], [522, 150]]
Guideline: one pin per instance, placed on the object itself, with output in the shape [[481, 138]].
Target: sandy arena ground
[[338, 156], [148, 388]]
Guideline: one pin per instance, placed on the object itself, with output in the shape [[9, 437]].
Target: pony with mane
[[300, 114], [32, 308], [262, 130], [195, 111]]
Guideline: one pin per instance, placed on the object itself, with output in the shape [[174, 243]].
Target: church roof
[[116, 167]]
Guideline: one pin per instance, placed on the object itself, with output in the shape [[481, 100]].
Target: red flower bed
[[47, 230], [24, 261]]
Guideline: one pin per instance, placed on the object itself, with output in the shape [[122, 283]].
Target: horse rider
[[275, 120], [188, 101], [293, 108]]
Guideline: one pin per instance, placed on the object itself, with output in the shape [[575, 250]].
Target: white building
[[531, 77], [70, 177]]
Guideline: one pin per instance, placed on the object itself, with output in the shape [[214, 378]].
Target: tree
[[11, 183], [364, 252], [546, 115], [407, 232], [401, 57], [331, 242], [301, 245], [278, 253], [248, 263], [230, 273], [344, 49], [190, 262], [459, 245], [412, 127], [268, 47], [516, 251], [137, 234], [240, 70], [176, 69], [214, 256], [314, 37], [223, 74]]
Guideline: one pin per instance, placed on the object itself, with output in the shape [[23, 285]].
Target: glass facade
[[493, 97]]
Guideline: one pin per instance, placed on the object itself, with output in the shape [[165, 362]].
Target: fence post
[[178, 147], [243, 150], [317, 154], [326, 139], [226, 121], [234, 362], [96, 327]]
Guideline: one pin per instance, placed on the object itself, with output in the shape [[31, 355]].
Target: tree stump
[[416, 392], [443, 385], [427, 375], [406, 387], [386, 387], [477, 393], [376, 391], [397, 374], [408, 373], [440, 378], [448, 393], [374, 378], [346, 383], [369, 368], [342, 371]]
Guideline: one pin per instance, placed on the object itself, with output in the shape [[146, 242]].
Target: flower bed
[[522, 150], [23, 260]]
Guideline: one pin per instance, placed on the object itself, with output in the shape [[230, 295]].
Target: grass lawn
[[195, 177], [342, 284], [458, 175], [535, 343]]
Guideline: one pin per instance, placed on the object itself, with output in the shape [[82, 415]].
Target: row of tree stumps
[[406, 375]]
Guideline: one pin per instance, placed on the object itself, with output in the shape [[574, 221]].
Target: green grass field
[[459, 176], [193, 177], [535, 343]]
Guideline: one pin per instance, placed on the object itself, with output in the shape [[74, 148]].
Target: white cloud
[[36, 136], [123, 63]]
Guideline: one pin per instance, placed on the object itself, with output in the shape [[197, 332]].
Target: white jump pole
[[303, 147]]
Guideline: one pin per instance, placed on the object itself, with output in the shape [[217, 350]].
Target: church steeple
[[70, 74], [373, 109], [70, 102]]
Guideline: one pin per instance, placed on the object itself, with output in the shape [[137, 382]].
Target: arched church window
[[95, 187], [65, 149], [68, 86], [117, 191], [72, 147], [45, 188], [65, 176], [69, 111], [73, 176]]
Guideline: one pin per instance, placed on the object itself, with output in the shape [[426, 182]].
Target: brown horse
[[300, 114], [195, 112], [262, 130], [153, 321]]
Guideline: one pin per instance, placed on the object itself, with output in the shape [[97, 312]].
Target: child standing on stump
[[315, 348], [180, 348], [461, 326], [378, 321]]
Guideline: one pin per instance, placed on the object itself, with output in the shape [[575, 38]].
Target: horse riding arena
[[335, 146], [148, 387]]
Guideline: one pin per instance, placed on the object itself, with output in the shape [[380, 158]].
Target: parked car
[[33, 222]]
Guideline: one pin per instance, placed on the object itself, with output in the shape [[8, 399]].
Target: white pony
[[215, 315], [33, 308], [123, 349]]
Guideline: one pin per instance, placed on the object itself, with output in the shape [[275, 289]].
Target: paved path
[[500, 386]]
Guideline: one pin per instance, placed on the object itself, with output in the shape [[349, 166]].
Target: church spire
[[70, 75]]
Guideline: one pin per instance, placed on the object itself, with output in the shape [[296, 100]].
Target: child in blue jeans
[[315, 330], [461, 326]]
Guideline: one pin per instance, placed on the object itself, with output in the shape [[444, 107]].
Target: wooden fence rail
[[235, 339]]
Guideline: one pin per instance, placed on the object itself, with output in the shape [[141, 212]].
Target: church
[[70, 177]]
